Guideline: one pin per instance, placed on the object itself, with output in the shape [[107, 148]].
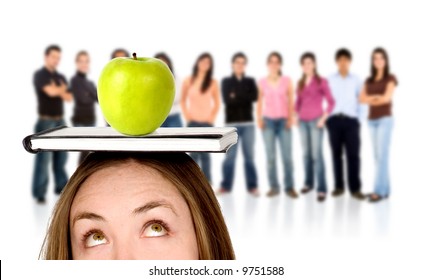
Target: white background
[[338, 239]]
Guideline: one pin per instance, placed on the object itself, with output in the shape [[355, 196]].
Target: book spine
[[27, 140]]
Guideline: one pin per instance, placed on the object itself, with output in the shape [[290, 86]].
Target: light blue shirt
[[346, 92]]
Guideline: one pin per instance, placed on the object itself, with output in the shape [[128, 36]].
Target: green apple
[[136, 94]]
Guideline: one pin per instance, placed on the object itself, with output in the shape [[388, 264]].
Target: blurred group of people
[[339, 102]]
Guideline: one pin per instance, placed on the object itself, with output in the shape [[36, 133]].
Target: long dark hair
[[373, 70], [278, 56], [208, 76], [164, 57], [302, 81]]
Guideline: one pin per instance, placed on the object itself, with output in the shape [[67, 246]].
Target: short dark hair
[[81, 53], [166, 58], [238, 55], [119, 50], [343, 52], [51, 48]]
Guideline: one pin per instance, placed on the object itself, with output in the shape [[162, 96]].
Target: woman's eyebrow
[[88, 216], [153, 204]]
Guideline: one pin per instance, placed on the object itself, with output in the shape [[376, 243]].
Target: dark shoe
[[292, 193], [272, 193], [254, 192], [338, 192], [321, 197], [57, 192], [305, 190], [358, 195], [40, 200]]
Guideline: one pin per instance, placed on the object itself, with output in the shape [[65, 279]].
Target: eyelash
[[154, 221], [88, 233]]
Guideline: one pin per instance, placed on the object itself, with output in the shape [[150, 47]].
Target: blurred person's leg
[[353, 144], [248, 145], [206, 160], [228, 166], [305, 135], [269, 133], [317, 156], [173, 120], [195, 156], [336, 137], [384, 129], [59, 166], [285, 137], [42, 159]]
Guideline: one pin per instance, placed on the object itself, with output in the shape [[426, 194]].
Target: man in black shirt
[[239, 93], [51, 91]]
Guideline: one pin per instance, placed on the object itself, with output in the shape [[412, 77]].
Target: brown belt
[[50, 118]]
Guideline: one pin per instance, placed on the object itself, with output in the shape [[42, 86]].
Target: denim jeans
[[246, 136], [173, 120], [381, 130], [83, 154], [276, 129], [202, 159], [311, 138], [42, 161]]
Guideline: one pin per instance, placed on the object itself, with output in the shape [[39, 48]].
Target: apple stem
[[134, 56]]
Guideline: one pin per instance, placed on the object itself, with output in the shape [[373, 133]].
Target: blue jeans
[[246, 135], [202, 159], [276, 129], [173, 120], [311, 138], [42, 161], [381, 130]]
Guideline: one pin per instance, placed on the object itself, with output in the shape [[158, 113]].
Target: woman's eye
[[155, 230], [95, 239]]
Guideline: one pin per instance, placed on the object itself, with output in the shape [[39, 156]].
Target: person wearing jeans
[[85, 96], [239, 93], [174, 118], [51, 91], [200, 103], [311, 92], [344, 126], [275, 111], [378, 94], [41, 170]]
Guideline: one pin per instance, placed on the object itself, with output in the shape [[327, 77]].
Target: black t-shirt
[[85, 96], [47, 105], [238, 96]]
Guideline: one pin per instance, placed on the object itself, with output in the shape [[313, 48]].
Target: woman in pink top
[[311, 92], [275, 110], [200, 103]]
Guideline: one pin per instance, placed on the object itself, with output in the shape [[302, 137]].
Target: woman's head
[[274, 64], [82, 61], [165, 58], [137, 206], [308, 63], [203, 66], [379, 63], [309, 68]]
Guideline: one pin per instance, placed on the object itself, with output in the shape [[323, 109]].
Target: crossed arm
[[378, 100], [61, 91]]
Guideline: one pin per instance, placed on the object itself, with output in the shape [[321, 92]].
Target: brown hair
[[278, 57], [80, 53], [212, 235], [302, 81]]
